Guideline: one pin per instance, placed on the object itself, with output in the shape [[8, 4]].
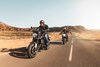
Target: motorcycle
[[64, 38], [38, 43]]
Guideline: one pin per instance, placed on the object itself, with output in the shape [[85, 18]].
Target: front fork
[[40, 43]]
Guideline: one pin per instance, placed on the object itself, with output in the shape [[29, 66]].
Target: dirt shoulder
[[19, 42], [89, 35]]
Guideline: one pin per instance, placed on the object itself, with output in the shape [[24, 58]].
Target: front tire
[[63, 41], [31, 50]]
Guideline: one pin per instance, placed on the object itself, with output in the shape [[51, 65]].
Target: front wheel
[[31, 50], [63, 41]]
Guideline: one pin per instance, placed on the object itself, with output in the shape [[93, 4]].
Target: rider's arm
[[46, 28], [61, 32]]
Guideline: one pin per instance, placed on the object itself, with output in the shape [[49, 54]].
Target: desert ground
[[82, 50], [11, 40], [89, 35]]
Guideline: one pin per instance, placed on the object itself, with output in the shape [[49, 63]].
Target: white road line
[[72, 41], [71, 52]]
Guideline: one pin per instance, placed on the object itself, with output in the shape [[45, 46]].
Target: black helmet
[[41, 21]]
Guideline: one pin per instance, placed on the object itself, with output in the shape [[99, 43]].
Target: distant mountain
[[71, 28], [5, 27]]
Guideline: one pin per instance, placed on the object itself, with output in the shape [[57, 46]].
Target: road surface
[[75, 53]]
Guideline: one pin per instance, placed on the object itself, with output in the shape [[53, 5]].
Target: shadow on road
[[16, 52], [55, 43], [22, 51], [19, 52]]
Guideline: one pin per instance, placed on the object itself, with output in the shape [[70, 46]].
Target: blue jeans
[[47, 38]]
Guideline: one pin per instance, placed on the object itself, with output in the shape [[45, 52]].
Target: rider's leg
[[66, 37], [47, 40]]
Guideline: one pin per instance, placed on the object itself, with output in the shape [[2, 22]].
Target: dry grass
[[14, 35], [14, 43], [22, 39], [54, 36], [90, 35], [13, 40]]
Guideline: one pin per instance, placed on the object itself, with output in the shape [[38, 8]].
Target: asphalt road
[[75, 53]]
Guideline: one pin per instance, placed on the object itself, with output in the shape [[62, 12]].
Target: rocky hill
[[71, 28], [5, 27]]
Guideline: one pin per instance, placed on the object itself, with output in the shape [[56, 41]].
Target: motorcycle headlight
[[64, 35], [34, 35]]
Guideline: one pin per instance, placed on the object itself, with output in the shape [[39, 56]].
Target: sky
[[27, 13]]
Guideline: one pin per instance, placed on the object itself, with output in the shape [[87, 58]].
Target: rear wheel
[[31, 50]]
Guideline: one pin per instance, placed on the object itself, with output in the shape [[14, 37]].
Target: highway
[[76, 52]]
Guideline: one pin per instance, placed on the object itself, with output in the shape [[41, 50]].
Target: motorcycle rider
[[44, 27], [65, 31]]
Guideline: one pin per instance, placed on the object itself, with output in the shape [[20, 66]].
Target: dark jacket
[[64, 31], [45, 27]]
